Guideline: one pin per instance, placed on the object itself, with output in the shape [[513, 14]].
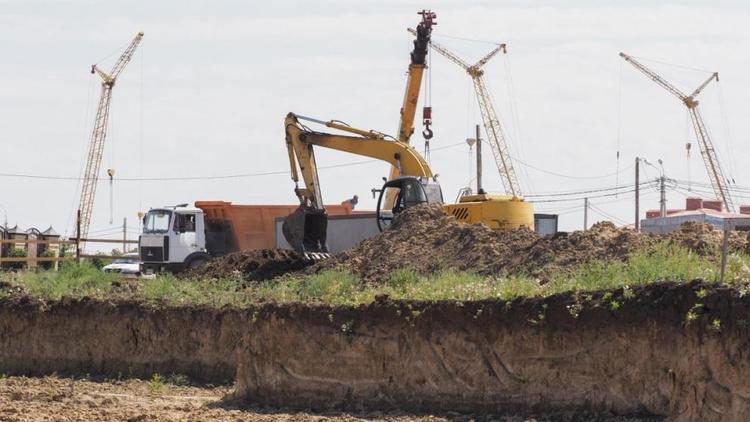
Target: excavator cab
[[408, 191]]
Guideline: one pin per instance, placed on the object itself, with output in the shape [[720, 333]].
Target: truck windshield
[[157, 221]]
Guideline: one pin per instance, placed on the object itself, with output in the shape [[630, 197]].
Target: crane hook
[[427, 121], [427, 132]]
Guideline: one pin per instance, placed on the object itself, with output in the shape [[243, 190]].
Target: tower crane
[[492, 126], [98, 135], [710, 159]]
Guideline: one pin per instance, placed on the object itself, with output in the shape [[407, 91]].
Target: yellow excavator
[[412, 181]]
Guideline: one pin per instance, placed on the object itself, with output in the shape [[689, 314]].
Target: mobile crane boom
[[417, 67], [710, 158]]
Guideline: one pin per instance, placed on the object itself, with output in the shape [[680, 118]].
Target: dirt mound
[[254, 265], [427, 240], [705, 239], [568, 250]]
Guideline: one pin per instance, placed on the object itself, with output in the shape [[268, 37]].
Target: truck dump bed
[[251, 226]]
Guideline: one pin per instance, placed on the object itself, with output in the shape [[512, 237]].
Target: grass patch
[[72, 280], [662, 261]]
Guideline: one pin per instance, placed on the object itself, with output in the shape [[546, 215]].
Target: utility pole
[[479, 163], [724, 252], [78, 236], [124, 235], [662, 197], [585, 213], [637, 194]]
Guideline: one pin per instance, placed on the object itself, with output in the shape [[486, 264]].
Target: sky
[[207, 91]]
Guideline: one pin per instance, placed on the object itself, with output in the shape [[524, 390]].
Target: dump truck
[[176, 238]]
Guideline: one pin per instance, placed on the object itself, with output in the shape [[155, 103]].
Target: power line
[[567, 176], [219, 177], [604, 195], [597, 190], [605, 214]]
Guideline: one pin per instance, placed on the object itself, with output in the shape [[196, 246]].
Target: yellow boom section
[[300, 141]]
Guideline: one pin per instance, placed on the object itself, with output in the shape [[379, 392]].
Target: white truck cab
[[173, 239]]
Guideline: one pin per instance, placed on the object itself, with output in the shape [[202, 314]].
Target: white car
[[128, 264]]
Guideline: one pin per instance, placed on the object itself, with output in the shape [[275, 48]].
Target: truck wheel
[[196, 262]]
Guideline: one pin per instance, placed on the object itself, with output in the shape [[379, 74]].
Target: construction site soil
[[68, 399], [255, 265], [676, 350], [425, 239]]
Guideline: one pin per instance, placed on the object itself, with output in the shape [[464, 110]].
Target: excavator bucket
[[305, 229]]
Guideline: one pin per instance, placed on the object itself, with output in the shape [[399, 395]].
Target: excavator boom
[[305, 228]]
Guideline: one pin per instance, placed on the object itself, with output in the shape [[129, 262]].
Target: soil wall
[[642, 357], [118, 339], [678, 351]]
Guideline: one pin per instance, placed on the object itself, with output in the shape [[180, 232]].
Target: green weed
[[156, 384]]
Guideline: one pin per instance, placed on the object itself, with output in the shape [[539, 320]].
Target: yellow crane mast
[[98, 135], [417, 66], [492, 126], [710, 159]]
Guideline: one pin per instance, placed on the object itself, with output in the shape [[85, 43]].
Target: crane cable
[[81, 164], [618, 139], [140, 139], [427, 109], [515, 119], [728, 141]]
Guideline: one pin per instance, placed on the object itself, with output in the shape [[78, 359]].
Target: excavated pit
[[668, 350]]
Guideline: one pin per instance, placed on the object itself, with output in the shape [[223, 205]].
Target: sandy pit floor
[[65, 399]]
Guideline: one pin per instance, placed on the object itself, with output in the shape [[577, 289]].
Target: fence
[[34, 254]]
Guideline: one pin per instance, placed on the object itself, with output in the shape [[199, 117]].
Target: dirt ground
[[253, 265], [64, 399]]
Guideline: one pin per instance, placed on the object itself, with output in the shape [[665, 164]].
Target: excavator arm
[[305, 228]]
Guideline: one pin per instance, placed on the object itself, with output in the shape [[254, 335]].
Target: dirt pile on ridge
[[568, 250], [253, 265], [426, 239], [704, 238]]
